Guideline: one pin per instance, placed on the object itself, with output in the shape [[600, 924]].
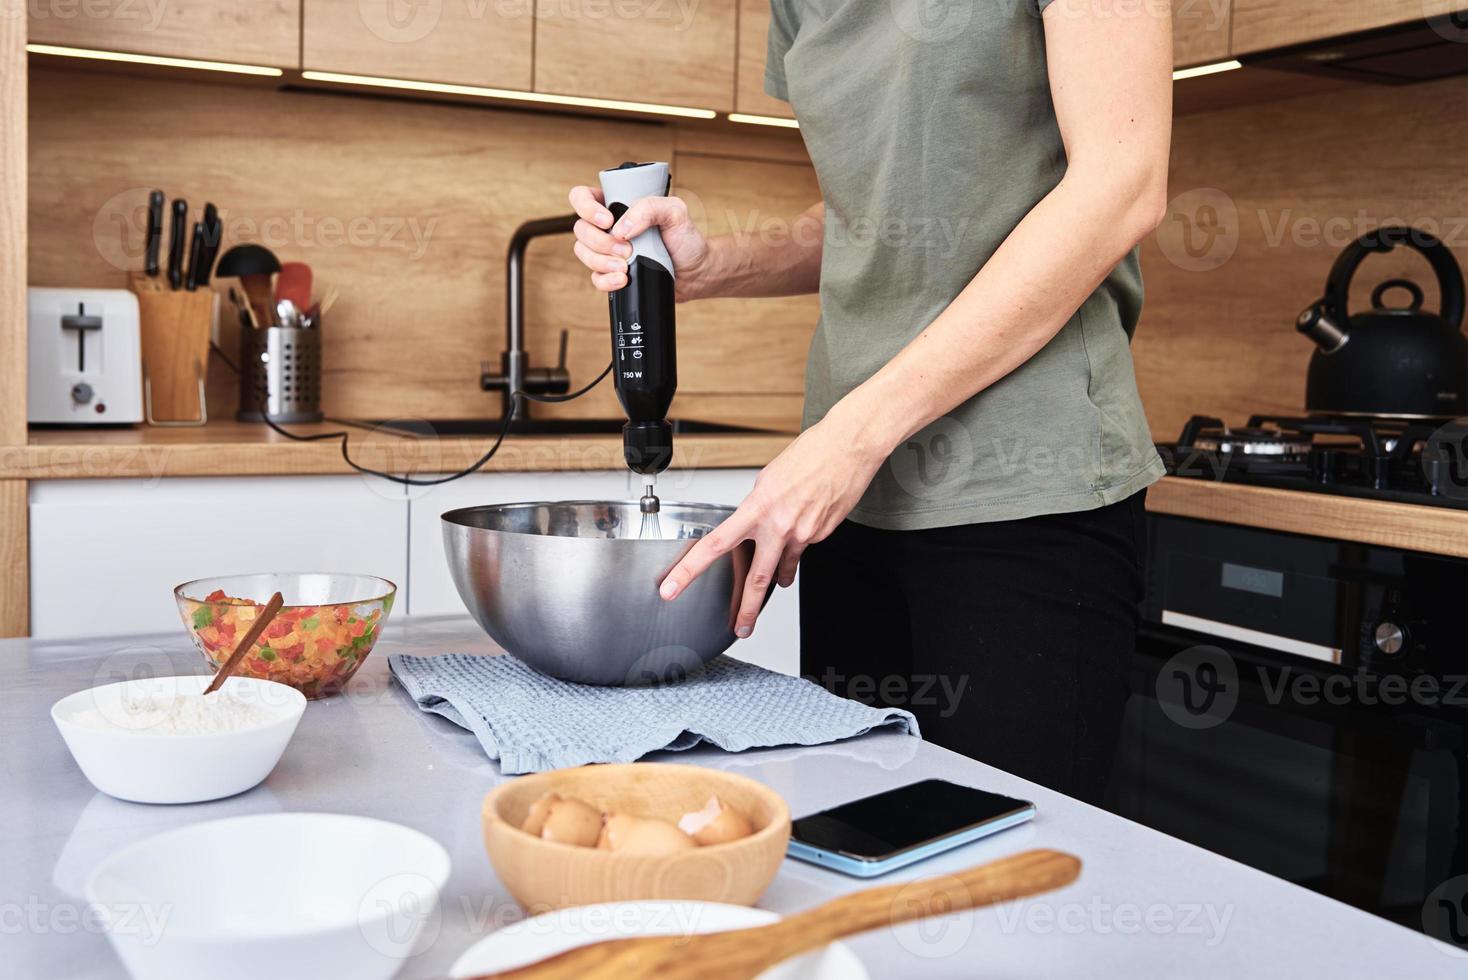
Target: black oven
[[1299, 705]]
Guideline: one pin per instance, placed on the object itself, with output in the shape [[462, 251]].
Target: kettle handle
[[1449, 275]]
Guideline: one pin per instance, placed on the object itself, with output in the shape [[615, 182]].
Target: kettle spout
[[1318, 325]]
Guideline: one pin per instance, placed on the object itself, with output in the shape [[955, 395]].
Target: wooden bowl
[[544, 875]]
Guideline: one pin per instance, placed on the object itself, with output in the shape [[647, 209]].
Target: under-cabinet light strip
[[149, 59], [371, 81], [1201, 70], [744, 117]]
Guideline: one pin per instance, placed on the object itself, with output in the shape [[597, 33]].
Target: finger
[[608, 282], [663, 212], [597, 262], [597, 240], [587, 202], [788, 563], [708, 549], [757, 585]]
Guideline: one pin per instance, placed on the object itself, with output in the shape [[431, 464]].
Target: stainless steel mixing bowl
[[571, 589]]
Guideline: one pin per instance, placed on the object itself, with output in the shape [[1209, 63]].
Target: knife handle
[[196, 257], [213, 231], [155, 233], [176, 242]]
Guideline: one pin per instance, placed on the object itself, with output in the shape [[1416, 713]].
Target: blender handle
[[623, 187]]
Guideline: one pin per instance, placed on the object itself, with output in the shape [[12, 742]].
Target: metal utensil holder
[[280, 373]]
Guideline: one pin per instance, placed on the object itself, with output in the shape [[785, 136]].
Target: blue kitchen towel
[[531, 722]]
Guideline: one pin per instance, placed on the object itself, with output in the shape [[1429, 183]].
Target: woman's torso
[[933, 133]]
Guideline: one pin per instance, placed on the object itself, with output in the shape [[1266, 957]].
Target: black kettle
[[1393, 361]]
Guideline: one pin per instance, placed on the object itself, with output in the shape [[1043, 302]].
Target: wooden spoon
[[261, 621], [749, 952]]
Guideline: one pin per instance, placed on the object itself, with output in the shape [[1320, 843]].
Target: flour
[[177, 714]]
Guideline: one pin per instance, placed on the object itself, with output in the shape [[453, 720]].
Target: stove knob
[[81, 393], [1390, 638]]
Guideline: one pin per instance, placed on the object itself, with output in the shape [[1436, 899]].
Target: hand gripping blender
[[644, 351]]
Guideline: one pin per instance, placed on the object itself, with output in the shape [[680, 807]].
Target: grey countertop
[[1146, 905]]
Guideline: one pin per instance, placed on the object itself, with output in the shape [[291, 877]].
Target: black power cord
[[411, 481]]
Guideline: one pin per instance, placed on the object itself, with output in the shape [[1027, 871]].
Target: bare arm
[[1110, 79], [738, 264], [786, 262]]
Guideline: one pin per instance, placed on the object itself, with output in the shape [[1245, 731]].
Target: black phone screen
[[877, 826]]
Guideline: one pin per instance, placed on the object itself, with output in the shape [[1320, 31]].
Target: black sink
[[536, 427]]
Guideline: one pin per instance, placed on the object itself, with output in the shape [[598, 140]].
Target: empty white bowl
[[149, 766], [271, 897]]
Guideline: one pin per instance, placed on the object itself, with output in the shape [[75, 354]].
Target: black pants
[[1009, 641]]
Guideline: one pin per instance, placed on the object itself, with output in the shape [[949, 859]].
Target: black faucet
[[515, 373]]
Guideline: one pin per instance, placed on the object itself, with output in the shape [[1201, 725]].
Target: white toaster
[[85, 362]]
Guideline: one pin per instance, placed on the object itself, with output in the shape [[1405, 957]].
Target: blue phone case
[[871, 869]]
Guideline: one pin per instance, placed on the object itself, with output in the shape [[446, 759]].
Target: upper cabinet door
[[1199, 31], [463, 42], [651, 51], [1263, 24], [250, 32], [750, 96]]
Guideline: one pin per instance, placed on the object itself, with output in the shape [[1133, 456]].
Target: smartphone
[[877, 834]]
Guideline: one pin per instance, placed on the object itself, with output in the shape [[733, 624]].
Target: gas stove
[[1408, 461]]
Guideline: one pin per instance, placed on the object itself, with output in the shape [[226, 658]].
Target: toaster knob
[[81, 393]]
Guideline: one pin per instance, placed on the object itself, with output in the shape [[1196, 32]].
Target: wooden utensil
[[749, 952], [261, 621]]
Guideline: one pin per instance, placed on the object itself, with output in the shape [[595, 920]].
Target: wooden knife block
[[174, 325]]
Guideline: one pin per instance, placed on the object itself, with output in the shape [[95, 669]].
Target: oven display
[[1260, 581]]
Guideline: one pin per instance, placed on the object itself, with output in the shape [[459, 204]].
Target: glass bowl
[[316, 642]]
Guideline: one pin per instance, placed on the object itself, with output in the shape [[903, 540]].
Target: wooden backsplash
[[1289, 184], [408, 208]]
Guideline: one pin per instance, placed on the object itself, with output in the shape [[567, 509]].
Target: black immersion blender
[[644, 351]]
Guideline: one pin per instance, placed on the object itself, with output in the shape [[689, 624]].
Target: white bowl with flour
[[162, 740]]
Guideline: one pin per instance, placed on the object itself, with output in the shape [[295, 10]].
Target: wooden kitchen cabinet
[[252, 32], [749, 92], [669, 53], [1259, 25], [1200, 31], [462, 42]]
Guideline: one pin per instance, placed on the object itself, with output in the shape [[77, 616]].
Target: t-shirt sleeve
[[782, 35]]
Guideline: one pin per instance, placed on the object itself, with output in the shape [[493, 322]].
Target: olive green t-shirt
[[933, 133]]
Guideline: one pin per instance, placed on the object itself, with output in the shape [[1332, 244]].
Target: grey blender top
[[644, 349]]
